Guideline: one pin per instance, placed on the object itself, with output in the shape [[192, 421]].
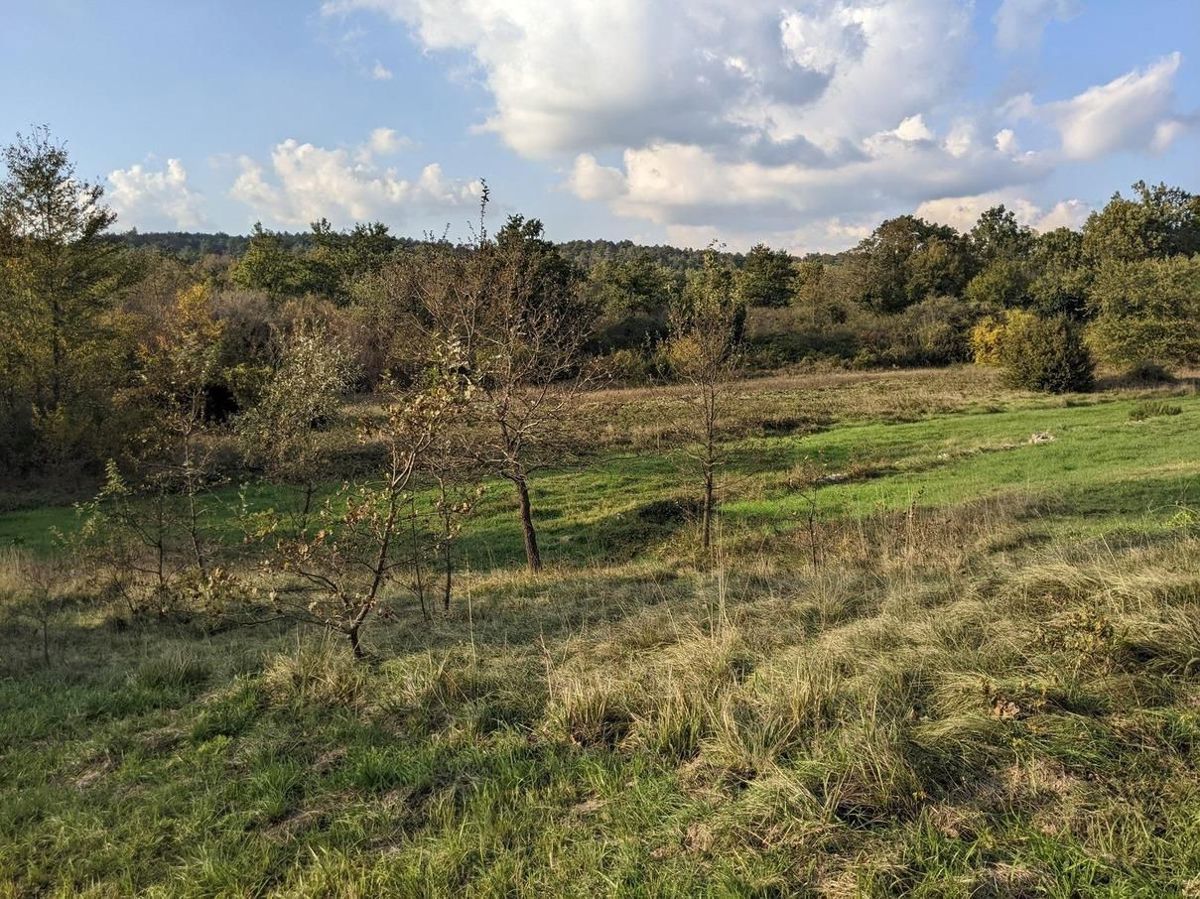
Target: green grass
[[590, 513], [990, 685]]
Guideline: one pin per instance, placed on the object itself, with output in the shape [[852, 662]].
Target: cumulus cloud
[[589, 180], [1133, 112], [577, 76], [156, 200], [386, 141], [344, 185], [380, 72], [1020, 23], [690, 185], [818, 236], [772, 115], [963, 212]]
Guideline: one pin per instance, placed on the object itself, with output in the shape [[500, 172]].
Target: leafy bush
[[932, 332], [985, 340], [1045, 354], [626, 366], [1147, 311]]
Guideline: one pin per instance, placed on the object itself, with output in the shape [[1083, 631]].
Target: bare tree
[[705, 325], [455, 499]]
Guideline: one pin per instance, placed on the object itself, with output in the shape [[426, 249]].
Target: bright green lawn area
[[1107, 465]]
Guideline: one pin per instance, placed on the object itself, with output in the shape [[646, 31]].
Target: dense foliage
[[1046, 354], [82, 307]]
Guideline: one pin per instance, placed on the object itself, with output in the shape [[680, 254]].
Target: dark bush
[[1147, 374], [1046, 354]]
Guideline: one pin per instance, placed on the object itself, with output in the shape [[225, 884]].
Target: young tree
[[516, 309], [269, 265], [285, 431], [702, 349], [179, 366], [356, 545], [455, 498]]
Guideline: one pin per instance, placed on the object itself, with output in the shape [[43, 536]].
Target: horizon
[[801, 125]]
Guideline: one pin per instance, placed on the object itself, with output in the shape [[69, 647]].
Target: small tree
[[285, 431], [516, 309], [179, 366], [59, 278], [766, 277], [705, 324], [147, 531], [356, 544], [455, 499]]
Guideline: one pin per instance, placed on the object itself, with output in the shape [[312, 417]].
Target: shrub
[[626, 366], [931, 332], [1046, 354], [985, 340], [1147, 374]]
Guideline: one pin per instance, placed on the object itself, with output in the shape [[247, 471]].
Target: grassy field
[[976, 674]]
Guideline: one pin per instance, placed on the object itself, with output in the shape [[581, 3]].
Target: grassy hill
[[949, 646]]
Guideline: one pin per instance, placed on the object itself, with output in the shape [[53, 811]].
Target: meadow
[[947, 644]]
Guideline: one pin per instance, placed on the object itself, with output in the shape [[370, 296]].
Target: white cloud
[[155, 200], [1064, 214], [386, 141], [380, 72], [772, 114], [343, 185], [960, 138], [589, 180], [686, 184], [818, 236], [1132, 112], [1020, 23], [579, 76], [963, 212], [1006, 141], [913, 128]]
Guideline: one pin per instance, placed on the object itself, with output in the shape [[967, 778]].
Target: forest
[[350, 563]]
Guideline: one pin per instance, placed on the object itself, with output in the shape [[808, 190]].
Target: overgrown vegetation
[[986, 680], [338, 566]]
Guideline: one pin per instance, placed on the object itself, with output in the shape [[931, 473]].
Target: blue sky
[[798, 122]]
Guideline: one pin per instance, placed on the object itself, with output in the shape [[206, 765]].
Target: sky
[[798, 123]]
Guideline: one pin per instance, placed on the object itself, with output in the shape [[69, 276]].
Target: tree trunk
[[532, 555], [707, 514], [354, 644]]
